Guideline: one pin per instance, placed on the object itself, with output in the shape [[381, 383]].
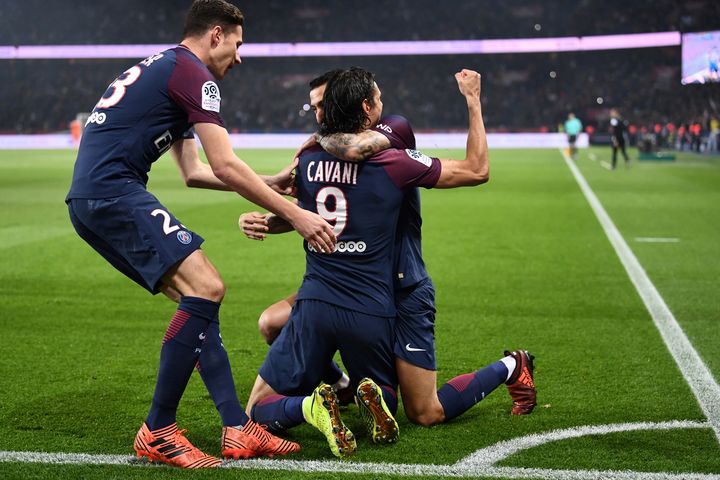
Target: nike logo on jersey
[[413, 349]]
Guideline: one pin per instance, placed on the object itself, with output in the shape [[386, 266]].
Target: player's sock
[[510, 363], [214, 368], [390, 397], [333, 374], [178, 356], [278, 412], [342, 382], [464, 391]]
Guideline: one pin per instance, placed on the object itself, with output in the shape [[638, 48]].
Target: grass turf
[[519, 262]]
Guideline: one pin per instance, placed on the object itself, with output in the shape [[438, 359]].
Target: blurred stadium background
[[529, 92]]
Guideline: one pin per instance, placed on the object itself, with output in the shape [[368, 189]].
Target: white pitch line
[[493, 454], [656, 239], [693, 369]]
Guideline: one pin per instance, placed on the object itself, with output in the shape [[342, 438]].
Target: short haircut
[[343, 101], [205, 14], [324, 78]]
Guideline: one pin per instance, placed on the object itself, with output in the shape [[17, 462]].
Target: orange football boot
[[254, 441], [521, 383], [169, 445]]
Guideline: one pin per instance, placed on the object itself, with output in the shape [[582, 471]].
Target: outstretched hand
[[254, 225], [469, 83]]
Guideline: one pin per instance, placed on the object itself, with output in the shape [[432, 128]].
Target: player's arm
[[353, 147], [198, 174], [475, 169], [241, 178], [195, 172]]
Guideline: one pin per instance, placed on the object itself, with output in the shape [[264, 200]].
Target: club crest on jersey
[[210, 97], [184, 237], [419, 156]]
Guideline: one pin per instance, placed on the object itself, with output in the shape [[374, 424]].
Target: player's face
[[225, 55], [316, 97], [374, 112]]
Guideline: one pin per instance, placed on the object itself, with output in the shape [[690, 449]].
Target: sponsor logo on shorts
[[346, 247], [210, 97], [184, 237]]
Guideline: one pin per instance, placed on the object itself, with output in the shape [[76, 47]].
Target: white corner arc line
[[498, 452], [698, 376]]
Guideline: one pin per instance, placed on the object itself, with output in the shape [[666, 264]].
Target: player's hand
[[469, 83], [284, 181], [313, 228], [310, 142], [254, 225]]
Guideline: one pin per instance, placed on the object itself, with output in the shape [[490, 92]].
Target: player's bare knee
[[266, 327], [212, 289]]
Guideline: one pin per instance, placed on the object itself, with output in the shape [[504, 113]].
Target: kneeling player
[[414, 293]]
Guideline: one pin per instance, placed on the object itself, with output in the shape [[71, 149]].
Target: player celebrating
[[419, 381], [145, 112], [414, 346]]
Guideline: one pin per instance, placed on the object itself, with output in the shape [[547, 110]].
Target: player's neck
[[197, 47]]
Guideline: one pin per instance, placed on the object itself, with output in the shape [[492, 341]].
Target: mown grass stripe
[[693, 369]]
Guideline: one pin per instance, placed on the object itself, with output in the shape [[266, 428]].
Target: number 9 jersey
[[141, 114], [362, 202]]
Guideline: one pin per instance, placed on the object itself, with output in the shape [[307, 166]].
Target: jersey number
[[339, 214], [128, 77], [167, 228]]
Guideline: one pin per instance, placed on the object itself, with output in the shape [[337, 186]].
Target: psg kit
[[346, 301], [142, 113]]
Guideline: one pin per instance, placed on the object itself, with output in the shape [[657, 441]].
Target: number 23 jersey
[[362, 202], [141, 114]]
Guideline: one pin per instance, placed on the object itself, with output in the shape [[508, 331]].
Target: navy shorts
[[135, 233], [415, 325], [300, 355]]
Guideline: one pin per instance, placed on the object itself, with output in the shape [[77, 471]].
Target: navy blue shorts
[[135, 233], [300, 355], [415, 325]]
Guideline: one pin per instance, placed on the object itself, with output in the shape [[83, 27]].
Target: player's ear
[[366, 106], [216, 34]]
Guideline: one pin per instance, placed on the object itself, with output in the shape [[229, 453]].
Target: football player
[[415, 313], [148, 110]]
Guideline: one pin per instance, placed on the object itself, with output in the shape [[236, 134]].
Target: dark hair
[[343, 101], [205, 14], [324, 78]]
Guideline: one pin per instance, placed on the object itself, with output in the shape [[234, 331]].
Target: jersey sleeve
[[398, 130], [194, 90], [410, 168]]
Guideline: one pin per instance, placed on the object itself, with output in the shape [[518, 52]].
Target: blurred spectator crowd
[[521, 92]]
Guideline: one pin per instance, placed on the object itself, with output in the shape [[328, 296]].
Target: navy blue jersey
[[362, 201], [142, 113], [409, 265]]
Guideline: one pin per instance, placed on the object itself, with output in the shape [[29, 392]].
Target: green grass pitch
[[520, 262]]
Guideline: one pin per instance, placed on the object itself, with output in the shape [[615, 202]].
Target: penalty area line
[[696, 374]]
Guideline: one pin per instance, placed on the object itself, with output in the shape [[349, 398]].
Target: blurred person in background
[[573, 127], [714, 132], [617, 133]]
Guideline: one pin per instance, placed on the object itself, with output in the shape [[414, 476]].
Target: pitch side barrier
[[293, 140]]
